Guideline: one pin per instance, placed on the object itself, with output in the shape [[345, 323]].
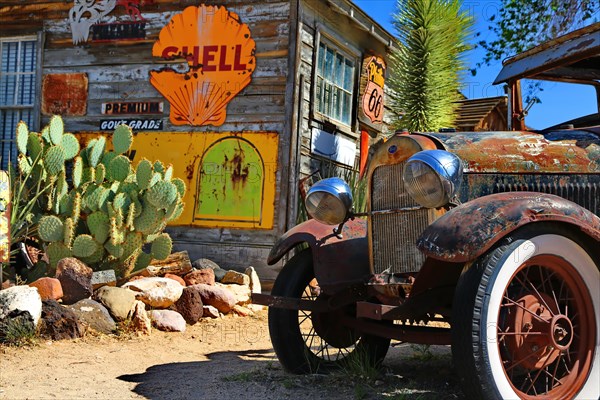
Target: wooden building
[[243, 97], [484, 114]]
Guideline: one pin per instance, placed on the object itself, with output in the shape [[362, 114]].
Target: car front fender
[[469, 230], [335, 259]]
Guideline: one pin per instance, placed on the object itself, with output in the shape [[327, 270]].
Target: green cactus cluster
[[99, 207]]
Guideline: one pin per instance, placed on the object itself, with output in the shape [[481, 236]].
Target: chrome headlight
[[433, 177], [329, 201]]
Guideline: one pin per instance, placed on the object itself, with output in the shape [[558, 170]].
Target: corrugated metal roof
[[471, 112]]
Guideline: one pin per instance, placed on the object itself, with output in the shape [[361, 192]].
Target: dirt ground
[[228, 358]]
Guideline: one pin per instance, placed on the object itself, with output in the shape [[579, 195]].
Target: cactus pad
[[96, 150], [144, 174], [69, 232], [162, 194], [114, 250], [22, 137], [156, 177], [34, 145], [56, 251], [119, 168], [142, 260], [77, 173], [122, 139], [56, 129], [99, 225], [149, 220], [24, 164], [70, 145], [100, 174], [54, 160], [50, 228], [168, 175], [159, 167], [180, 184], [88, 175], [133, 243], [84, 246], [162, 246]]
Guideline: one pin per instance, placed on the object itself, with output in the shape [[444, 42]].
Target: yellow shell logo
[[219, 52]]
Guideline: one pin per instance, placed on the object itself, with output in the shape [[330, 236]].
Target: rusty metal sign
[[373, 97], [4, 217], [64, 94], [219, 52], [86, 14], [138, 107]]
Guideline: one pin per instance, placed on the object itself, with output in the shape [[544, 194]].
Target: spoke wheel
[[309, 342], [532, 331], [545, 329]]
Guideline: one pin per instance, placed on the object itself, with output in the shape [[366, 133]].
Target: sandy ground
[[229, 358]]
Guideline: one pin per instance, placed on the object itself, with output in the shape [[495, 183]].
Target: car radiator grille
[[394, 234], [586, 194]]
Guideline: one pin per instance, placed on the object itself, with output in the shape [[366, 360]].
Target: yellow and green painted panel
[[230, 176]]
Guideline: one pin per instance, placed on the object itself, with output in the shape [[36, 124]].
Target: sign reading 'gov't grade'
[[219, 52]]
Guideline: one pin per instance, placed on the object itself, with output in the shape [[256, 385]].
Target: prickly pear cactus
[[99, 207]]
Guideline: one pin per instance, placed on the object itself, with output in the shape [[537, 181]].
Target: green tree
[[521, 24], [427, 66]]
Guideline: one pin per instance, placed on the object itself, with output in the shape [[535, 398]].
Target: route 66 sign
[[372, 98]]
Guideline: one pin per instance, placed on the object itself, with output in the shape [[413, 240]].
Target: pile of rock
[[166, 298]]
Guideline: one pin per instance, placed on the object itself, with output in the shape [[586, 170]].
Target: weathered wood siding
[[346, 25], [118, 71]]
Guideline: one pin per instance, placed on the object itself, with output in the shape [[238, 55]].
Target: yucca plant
[[426, 67]]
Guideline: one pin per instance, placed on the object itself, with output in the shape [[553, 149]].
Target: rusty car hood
[[564, 151]]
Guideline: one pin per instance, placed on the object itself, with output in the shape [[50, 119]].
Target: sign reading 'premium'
[[145, 107], [220, 55]]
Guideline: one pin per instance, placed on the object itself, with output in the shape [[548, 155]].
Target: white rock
[[254, 281], [240, 292], [21, 298], [167, 320], [156, 292], [210, 312]]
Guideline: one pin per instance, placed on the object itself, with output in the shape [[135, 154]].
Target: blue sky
[[560, 102]]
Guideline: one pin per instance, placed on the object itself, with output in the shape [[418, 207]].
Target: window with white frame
[[334, 84], [18, 86]]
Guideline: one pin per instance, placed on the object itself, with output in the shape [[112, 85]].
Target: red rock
[[176, 278], [218, 297], [189, 305], [200, 276], [48, 288], [75, 278]]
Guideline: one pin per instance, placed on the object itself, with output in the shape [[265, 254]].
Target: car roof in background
[[574, 57]]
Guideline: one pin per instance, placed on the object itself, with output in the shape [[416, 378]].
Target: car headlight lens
[[433, 177], [329, 201]]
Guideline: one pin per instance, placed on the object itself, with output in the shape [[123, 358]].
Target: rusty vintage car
[[485, 241]]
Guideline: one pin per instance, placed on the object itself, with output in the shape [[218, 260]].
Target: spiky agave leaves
[[426, 68]]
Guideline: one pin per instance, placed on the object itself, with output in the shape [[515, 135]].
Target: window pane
[[319, 94], [321, 59], [346, 108], [28, 56], [8, 84], [27, 90], [334, 84], [349, 76], [9, 56], [8, 125], [328, 74]]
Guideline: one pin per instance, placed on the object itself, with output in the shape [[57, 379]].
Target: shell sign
[[219, 52]]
